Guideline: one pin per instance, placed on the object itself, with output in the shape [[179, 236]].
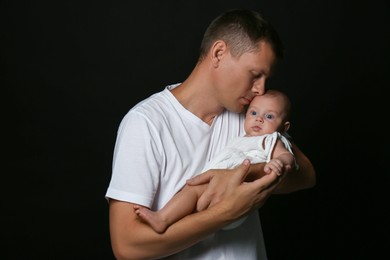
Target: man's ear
[[218, 50]]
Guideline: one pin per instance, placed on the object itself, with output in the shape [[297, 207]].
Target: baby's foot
[[153, 218]]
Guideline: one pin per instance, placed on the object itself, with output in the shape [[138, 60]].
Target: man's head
[[241, 30], [238, 53]]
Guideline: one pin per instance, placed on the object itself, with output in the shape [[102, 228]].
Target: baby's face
[[265, 115]]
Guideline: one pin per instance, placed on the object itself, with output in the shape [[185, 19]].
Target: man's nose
[[259, 87]]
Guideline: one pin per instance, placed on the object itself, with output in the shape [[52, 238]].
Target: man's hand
[[218, 180], [229, 185]]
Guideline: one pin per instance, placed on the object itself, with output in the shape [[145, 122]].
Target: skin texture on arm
[[133, 239]]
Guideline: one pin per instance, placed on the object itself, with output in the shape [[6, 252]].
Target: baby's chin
[[253, 134]]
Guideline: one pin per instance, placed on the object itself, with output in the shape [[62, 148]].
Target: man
[[168, 138]]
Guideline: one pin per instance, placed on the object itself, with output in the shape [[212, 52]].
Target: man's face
[[240, 79]]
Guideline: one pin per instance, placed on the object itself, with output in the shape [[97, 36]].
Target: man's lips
[[247, 100]]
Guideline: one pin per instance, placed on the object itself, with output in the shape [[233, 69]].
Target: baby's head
[[268, 113]]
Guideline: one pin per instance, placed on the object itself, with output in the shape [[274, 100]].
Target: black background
[[70, 70]]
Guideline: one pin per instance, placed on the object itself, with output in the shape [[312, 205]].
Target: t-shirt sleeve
[[136, 161], [285, 137]]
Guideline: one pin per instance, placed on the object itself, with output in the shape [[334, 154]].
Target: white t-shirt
[[258, 149], [160, 145]]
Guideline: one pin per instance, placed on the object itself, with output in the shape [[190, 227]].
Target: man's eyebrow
[[267, 73]]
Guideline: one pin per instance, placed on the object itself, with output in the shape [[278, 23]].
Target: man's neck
[[196, 96]]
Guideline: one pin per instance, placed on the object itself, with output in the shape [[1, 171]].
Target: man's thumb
[[199, 179], [244, 169]]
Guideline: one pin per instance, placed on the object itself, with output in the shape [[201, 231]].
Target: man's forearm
[[133, 239]]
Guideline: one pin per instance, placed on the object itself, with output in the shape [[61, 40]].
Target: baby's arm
[[281, 159]]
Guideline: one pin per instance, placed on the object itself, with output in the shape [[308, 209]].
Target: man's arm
[[133, 239]]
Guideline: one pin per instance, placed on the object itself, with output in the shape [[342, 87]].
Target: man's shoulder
[[152, 103]]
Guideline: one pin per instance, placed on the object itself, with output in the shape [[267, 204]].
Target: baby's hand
[[275, 165]]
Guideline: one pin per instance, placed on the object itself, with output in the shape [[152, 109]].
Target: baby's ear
[[286, 126]]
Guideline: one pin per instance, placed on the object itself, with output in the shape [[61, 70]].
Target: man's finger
[[268, 181], [243, 170], [203, 203], [200, 179]]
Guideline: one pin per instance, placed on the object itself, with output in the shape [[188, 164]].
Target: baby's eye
[[269, 116], [253, 113]]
